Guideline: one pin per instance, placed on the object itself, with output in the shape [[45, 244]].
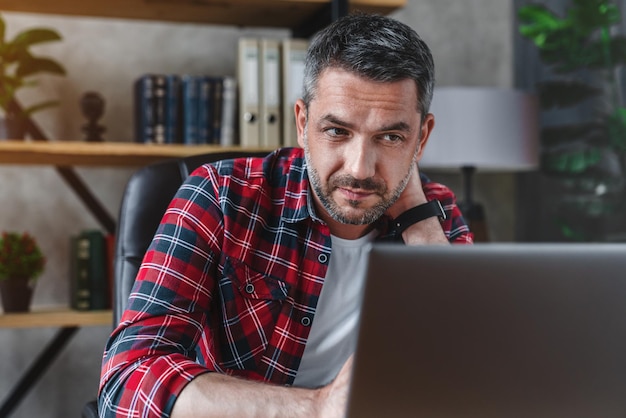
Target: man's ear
[[427, 127], [300, 114]]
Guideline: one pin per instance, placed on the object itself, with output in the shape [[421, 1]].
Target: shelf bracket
[[70, 176]]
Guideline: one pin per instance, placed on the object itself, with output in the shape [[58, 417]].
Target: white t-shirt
[[334, 329]]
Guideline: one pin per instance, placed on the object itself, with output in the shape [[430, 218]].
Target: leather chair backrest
[[145, 199]]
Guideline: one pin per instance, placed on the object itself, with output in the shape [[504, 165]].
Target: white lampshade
[[487, 128]]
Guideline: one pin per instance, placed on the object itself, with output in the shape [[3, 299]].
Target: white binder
[[292, 63], [248, 77], [269, 83]]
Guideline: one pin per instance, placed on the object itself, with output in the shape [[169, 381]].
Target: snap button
[[249, 288], [322, 258], [306, 321]]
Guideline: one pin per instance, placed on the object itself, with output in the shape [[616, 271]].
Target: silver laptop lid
[[492, 330]]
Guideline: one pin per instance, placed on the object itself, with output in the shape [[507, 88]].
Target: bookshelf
[[100, 154], [56, 318]]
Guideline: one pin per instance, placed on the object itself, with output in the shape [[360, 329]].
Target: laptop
[[492, 330]]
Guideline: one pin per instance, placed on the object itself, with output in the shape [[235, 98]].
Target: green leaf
[[39, 65], [571, 162], [35, 36]]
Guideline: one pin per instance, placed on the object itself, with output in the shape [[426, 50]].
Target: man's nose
[[360, 160]]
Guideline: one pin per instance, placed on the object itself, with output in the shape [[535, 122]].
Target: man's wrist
[[417, 214]]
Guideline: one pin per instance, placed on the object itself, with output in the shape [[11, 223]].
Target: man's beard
[[368, 216]]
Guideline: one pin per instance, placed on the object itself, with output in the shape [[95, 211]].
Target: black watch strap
[[416, 214]]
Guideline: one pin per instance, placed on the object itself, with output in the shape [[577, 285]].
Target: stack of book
[[185, 109], [255, 109]]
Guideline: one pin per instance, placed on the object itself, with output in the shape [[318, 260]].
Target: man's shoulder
[[277, 163]]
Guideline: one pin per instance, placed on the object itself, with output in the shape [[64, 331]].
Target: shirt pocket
[[251, 304]]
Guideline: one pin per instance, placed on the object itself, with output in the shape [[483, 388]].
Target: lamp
[[490, 129]]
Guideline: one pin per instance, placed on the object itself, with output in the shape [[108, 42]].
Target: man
[[228, 316]]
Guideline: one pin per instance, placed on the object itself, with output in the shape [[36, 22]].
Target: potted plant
[[17, 66], [583, 151], [21, 263]]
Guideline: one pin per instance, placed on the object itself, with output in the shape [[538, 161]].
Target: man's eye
[[336, 132], [391, 137]]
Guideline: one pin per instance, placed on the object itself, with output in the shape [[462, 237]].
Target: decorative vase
[[16, 294]]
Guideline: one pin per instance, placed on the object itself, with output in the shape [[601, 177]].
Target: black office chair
[[145, 199]]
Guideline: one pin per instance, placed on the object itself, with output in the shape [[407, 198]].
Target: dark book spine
[[218, 108], [80, 290], [96, 268], [173, 108], [159, 103], [205, 104], [144, 109], [190, 109]]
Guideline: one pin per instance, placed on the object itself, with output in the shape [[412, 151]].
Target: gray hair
[[376, 47]]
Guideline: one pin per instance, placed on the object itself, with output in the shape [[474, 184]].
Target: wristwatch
[[416, 214]]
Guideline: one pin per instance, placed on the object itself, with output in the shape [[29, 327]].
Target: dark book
[[218, 107], [92, 263], [204, 110], [189, 92], [160, 103], [80, 290], [144, 105], [173, 110]]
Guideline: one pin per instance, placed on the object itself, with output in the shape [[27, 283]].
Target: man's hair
[[375, 47]]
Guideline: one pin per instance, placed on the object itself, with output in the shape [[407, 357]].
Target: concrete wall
[[471, 41]]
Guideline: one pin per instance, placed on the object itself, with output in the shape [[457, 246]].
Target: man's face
[[361, 141]]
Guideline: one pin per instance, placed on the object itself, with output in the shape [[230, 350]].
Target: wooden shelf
[[76, 153], [56, 318], [268, 13]]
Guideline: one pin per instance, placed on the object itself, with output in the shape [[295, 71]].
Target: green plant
[[20, 256], [586, 154], [18, 64]]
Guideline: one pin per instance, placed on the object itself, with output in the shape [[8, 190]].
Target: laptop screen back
[[492, 330]]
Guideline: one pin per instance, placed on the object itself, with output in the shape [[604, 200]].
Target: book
[[144, 108], [269, 93], [189, 95], [204, 110], [228, 129], [150, 102], [248, 79], [173, 109], [80, 291], [218, 108], [90, 287], [292, 63]]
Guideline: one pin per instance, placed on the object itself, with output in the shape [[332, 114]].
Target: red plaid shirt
[[229, 284]]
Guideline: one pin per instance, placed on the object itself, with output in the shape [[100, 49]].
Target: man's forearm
[[217, 395], [427, 231]]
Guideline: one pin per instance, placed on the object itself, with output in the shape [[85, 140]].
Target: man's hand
[[428, 231]]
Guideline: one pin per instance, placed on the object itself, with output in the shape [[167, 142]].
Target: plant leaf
[[35, 36], [38, 65]]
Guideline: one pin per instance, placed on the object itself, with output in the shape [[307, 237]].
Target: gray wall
[[471, 41]]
